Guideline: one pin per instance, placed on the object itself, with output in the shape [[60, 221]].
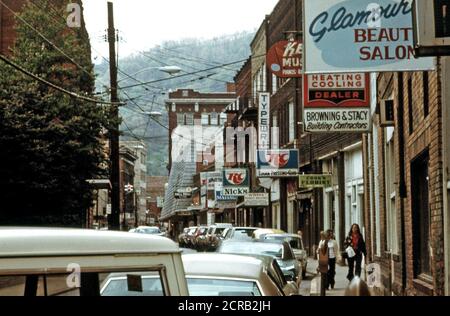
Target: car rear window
[[222, 287]]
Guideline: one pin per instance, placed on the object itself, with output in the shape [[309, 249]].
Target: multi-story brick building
[[196, 123], [156, 188], [407, 201]]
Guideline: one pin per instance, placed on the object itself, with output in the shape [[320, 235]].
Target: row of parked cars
[[226, 238], [71, 262]]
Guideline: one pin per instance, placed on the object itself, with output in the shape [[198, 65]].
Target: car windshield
[[241, 235], [151, 286], [258, 248], [219, 231], [222, 287], [150, 230]]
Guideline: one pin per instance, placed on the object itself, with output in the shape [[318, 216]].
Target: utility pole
[[114, 219]]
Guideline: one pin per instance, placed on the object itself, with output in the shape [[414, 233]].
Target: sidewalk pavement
[[310, 286]]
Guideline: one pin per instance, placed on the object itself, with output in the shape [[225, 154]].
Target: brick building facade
[[406, 210]]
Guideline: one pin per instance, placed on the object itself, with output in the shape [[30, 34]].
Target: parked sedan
[[206, 275], [212, 274], [260, 233], [296, 243], [239, 233], [150, 230], [280, 250]]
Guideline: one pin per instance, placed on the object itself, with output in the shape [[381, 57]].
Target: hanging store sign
[[219, 194], [285, 59], [277, 163], [257, 199], [226, 204], [236, 182], [361, 36], [311, 181], [264, 121], [337, 103], [213, 178]]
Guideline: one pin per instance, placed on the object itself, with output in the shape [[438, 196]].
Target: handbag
[[323, 259], [350, 252]]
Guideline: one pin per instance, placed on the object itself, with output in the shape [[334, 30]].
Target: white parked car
[[75, 262], [149, 230]]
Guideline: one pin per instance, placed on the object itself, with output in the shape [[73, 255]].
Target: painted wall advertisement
[[277, 163], [360, 35], [337, 102], [236, 182], [264, 121], [285, 59]]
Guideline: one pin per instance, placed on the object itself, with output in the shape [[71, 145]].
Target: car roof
[[223, 265], [254, 228], [222, 225], [284, 235], [32, 242], [145, 227]]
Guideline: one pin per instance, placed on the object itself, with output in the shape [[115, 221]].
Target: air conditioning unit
[[387, 113], [431, 23]]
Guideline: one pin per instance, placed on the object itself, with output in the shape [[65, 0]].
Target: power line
[[184, 75], [47, 40], [54, 86]]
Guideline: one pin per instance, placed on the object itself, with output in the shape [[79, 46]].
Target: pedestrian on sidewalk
[[355, 240], [322, 257], [333, 256]]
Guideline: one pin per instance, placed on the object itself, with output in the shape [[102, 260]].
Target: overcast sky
[[144, 24]]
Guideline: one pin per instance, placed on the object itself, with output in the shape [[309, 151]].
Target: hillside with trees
[[192, 56]]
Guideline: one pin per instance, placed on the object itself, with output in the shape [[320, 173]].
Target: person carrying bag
[[355, 248]]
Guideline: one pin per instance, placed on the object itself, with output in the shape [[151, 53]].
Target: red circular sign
[[285, 59]]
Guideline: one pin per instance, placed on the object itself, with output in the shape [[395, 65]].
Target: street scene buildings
[[325, 124]]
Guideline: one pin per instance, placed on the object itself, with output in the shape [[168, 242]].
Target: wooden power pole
[[114, 218]]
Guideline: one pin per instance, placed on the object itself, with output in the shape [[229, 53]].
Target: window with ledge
[[392, 243], [205, 119], [190, 119], [291, 121], [214, 119], [223, 118], [421, 216], [181, 119]]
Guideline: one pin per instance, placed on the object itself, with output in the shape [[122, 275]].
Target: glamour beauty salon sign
[[360, 36]]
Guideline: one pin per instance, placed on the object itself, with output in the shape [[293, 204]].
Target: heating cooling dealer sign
[[236, 182], [360, 35], [337, 103]]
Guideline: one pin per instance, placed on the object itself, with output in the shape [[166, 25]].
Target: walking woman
[[333, 255], [355, 240]]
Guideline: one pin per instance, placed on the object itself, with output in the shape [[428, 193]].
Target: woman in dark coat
[[356, 241]]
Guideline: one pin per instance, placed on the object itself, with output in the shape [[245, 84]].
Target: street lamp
[[171, 70]]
